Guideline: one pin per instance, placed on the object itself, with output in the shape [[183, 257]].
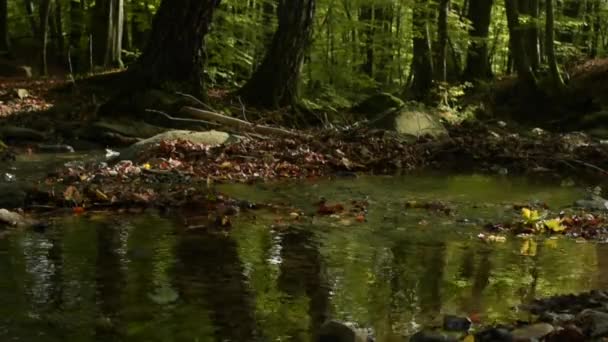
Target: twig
[[242, 108], [591, 166], [196, 100], [238, 123], [174, 119]]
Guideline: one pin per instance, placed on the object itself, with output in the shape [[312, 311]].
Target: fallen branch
[[181, 120], [238, 123]]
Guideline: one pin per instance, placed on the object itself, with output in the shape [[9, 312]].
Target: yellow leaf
[[469, 338], [551, 243], [555, 225], [226, 165], [528, 248], [530, 215], [147, 166]]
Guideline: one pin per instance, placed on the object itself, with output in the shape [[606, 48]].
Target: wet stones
[[532, 332], [593, 323], [336, 331], [431, 336], [456, 323], [494, 334]]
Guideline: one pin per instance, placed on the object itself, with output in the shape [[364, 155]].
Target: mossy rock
[[410, 122], [377, 104]]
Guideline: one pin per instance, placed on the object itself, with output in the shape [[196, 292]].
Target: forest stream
[[147, 277]]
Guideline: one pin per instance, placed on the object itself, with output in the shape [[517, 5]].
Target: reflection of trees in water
[[417, 277], [110, 279], [209, 273], [601, 252], [479, 275], [302, 272]]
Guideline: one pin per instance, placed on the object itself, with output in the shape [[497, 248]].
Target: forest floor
[[189, 168]]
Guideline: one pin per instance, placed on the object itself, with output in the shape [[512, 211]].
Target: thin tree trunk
[[366, 16], [556, 77], [275, 82], [422, 62], [4, 36], [442, 28], [60, 41], [532, 33], [516, 44], [45, 13]]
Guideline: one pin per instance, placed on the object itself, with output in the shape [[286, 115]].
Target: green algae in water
[[98, 278]]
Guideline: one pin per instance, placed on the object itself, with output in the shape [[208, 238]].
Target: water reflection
[[302, 276], [209, 275], [145, 279]]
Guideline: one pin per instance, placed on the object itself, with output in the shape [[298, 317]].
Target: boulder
[[456, 323], [11, 219], [411, 122], [212, 138], [377, 104]]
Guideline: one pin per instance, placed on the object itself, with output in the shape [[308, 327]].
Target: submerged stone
[[456, 323], [431, 336], [494, 335], [336, 331], [532, 332]]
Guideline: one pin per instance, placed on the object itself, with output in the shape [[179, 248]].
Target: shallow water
[[110, 278]]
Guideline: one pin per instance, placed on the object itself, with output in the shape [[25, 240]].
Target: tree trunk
[[422, 62], [556, 77], [275, 82], [58, 20], [4, 37], [174, 53], [532, 33], [29, 10], [45, 13], [442, 28], [478, 60], [76, 29], [516, 45], [366, 16]]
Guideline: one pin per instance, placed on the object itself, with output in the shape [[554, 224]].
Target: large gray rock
[[594, 323], [211, 138], [412, 122]]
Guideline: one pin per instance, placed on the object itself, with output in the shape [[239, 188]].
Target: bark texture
[[422, 63], [173, 54], [478, 60], [4, 38], [275, 82], [516, 44]]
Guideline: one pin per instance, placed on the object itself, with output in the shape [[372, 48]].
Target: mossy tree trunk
[[173, 55], [478, 59], [275, 82]]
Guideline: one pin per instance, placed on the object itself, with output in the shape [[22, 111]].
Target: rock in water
[[335, 331], [494, 335], [10, 218], [60, 148], [456, 323], [594, 323], [431, 336], [532, 332]]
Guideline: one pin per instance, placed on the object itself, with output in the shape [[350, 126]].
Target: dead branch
[[238, 123]]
